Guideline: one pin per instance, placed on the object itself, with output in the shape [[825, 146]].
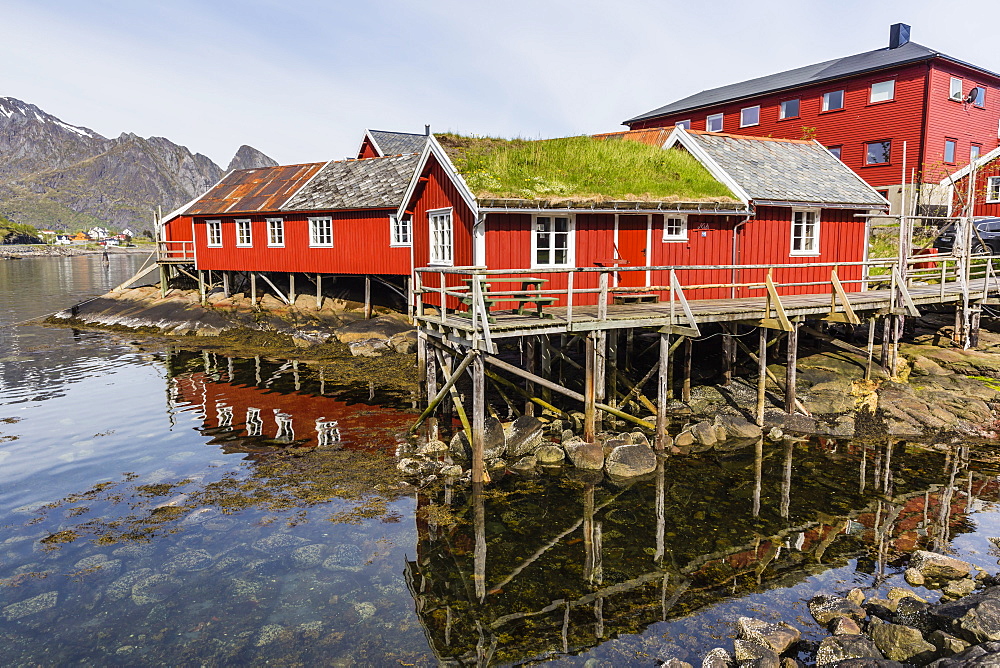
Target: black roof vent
[[899, 34]]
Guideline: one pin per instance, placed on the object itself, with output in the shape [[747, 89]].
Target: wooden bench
[[528, 294]]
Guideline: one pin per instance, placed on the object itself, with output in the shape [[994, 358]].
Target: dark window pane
[[877, 152]]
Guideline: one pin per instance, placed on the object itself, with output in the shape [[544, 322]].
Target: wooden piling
[[201, 285], [253, 288], [478, 418], [368, 297], [791, 367], [611, 361], [761, 375], [974, 316], [662, 392], [686, 370], [430, 380], [291, 288], [589, 389], [728, 353], [886, 339], [600, 371], [319, 291], [871, 348], [164, 280], [531, 359], [225, 284]]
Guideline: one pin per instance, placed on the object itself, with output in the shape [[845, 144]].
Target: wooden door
[[632, 237]]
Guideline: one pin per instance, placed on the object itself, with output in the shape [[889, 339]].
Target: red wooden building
[[985, 196], [863, 108], [793, 203]]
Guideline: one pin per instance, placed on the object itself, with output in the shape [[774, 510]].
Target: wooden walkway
[[747, 309]]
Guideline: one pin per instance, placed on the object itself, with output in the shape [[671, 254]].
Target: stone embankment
[[18, 251], [961, 630]]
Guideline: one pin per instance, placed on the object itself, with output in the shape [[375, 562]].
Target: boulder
[[934, 566], [901, 643], [838, 648], [975, 618], [825, 609], [639, 438], [915, 613], [410, 466], [684, 439], [383, 328], [675, 663], [432, 448], [460, 448], [717, 658], [959, 588], [525, 464], [946, 644], [627, 461], [494, 439], [914, 577], [750, 654], [369, 347], [844, 626], [584, 455], [704, 433], [452, 471], [404, 343], [550, 455], [778, 637], [737, 426], [524, 435], [987, 654]]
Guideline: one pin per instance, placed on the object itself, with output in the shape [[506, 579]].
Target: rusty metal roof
[[651, 136], [251, 190]]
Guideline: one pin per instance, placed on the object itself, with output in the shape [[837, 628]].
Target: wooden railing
[[175, 251]]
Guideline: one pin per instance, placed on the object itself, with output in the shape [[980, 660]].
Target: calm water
[[160, 506]]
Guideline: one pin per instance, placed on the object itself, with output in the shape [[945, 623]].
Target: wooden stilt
[[600, 371], [886, 338], [225, 284], [791, 363], [761, 375], [686, 371], [319, 291], [478, 418], [629, 347], [974, 316], [201, 285], [291, 288], [662, 390], [897, 333], [164, 280], [531, 355], [589, 390], [479, 552], [430, 380], [611, 361], [253, 288], [871, 348], [728, 354], [545, 352], [368, 297]]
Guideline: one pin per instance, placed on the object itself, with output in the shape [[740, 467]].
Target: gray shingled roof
[[781, 170], [374, 183], [811, 74], [398, 143]]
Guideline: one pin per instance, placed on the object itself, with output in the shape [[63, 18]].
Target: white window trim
[[208, 233], [982, 100], [430, 238], [781, 108], [312, 237], [791, 238], [722, 122], [281, 225], [686, 124], [571, 242], [248, 244], [975, 151], [674, 238], [953, 94], [395, 225], [750, 125], [993, 185], [871, 91], [824, 103]]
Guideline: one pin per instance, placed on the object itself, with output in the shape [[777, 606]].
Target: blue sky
[[302, 79]]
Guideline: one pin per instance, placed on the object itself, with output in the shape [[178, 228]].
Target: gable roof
[[980, 161], [252, 190], [396, 143], [839, 68], [372, 183], [779, 171]]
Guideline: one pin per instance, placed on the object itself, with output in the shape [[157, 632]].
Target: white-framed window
[[790, 109], [878, 152], [714, 123], [955, 89], [400, 233], [321, 232], [883, 91], [276, 232], [214, 231], [442, 237], [805, 232], [675, 227], [244, 233], [750, 116], [978, 95], [950, 147], [993, 189], [836, 150], [833, 100], [683, 124], [974, 152], [552, 241]]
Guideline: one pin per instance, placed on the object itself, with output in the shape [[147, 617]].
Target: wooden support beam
[[871, 348], [253, 288], [791, 363], [291, 288], [753, 357], [611, 362], [164, 280], [432, 382], [686, 373], [761, 375], [531, 355], [975, 314], [545, 353], [368, 297], [728, 353], [478, 417], [500, 380], [662, 391], [225, 284], [773, 300], [600, 370], [886, 323], [201, 286], [275, 288], [589, 390], [319, 291]]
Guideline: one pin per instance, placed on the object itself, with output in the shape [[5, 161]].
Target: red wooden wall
[[960, 194], [367, 150], [360, 245]]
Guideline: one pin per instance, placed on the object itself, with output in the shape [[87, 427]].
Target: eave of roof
[[766, 88], [614, 206]]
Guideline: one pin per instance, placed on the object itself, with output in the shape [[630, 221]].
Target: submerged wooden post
[[478, 418], [611, 361], [600, 371], [871, 347], [430, 380], [368, 296], [531, 355], [791, 364], [886, 322], [686, 381], [662, 392], [589, 395], [761, 375], [728, 354], [545, 353]]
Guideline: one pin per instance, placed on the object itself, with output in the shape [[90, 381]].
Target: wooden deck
[[748, 309]]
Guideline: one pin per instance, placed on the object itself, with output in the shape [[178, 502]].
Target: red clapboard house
[[863, 108], [334, 218], [985, 196], [792, 202]]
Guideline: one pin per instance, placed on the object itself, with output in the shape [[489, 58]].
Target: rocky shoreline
[[18, 251]]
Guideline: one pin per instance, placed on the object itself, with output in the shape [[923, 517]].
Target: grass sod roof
[[580, 169]]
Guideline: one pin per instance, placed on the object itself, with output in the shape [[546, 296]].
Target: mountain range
[[60, 176]]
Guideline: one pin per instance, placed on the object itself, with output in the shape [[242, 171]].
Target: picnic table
[[527, 294]]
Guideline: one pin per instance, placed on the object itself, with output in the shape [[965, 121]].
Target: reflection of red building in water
[[262, 416]]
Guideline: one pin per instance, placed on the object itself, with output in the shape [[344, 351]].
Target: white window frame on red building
[[400, 231], [276, 232], [813, 249], [320, 232], [551, 245], [993, 190], [244, 233], [783, 110], [743, 119], [675, 227], [886, 91], [826, 100], [710, 122], [441, 230], [213, 233]]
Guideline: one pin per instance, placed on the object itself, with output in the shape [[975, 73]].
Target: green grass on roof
[[580, 168]]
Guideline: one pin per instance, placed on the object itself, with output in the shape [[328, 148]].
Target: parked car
[[986, 242]]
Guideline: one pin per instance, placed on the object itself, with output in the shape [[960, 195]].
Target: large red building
[[864, 108]]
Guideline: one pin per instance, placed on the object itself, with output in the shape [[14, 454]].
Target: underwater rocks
[[626, 461], [30, 606]]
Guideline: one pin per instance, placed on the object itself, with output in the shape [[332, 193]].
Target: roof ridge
[[396, 132], [736, 136]]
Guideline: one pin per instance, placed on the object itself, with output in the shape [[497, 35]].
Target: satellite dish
[[971, 97]]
